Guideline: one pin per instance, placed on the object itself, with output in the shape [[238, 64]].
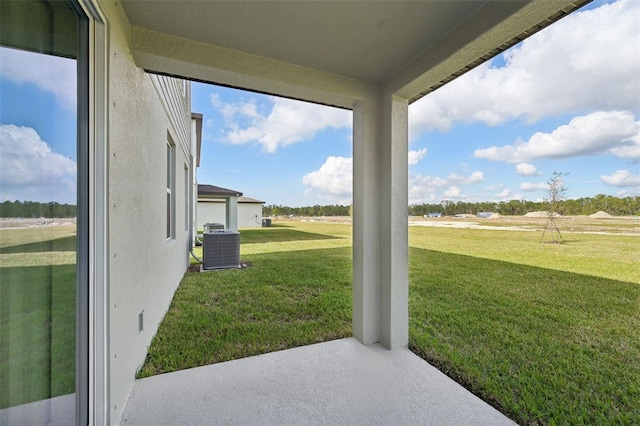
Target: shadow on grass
[[279, 234], [58, 244], [541, 345], [37, 333], [284, 300]]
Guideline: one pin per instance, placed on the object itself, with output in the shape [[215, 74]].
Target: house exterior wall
[[145, 267], [210, 212], [175, 95], [249, 214]]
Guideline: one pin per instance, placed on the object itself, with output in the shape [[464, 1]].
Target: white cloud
[[428, 114], [474, 177], [52, 74], [452, 192], [530, 187], [423, 189], [31, 171], [553, 72], [630, 150], [427, 189], [526, 169], [622, 178], [506, 194], [335, 177], [596, 133], [282, 123], [416, 156]]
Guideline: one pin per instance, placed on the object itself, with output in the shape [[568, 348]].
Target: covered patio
[[372, 58], [336, 382]]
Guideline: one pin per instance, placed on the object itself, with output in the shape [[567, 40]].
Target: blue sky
[[37, 127], [566, 99]]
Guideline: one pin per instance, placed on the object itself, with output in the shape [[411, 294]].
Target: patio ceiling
[[365, 41], [411, 47]]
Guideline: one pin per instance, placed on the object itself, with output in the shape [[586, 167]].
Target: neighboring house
[[213, 208], [226, 202], [249, 213], [137, 143]]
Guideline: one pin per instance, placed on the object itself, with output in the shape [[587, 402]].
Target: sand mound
[[540, 214], [495, 216], [600, 215]]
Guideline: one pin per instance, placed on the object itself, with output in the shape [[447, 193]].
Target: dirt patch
[[197, 268], [19, 223], [194, 268], [628, 225], [540, 214], [601, 215]]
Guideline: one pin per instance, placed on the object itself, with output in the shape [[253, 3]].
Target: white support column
[[366, 303], [394, 241], [231, 213], [380, 232]]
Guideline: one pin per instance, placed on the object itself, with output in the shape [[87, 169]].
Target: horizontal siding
[[177, 105]]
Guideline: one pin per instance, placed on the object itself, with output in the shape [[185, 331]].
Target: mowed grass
[[37, 314], [288, 297], [547, 333], [543, 345]]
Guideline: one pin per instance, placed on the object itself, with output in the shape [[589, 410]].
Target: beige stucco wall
[[249, 214], [144, 267], [210, 212]]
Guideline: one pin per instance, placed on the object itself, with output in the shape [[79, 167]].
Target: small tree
[[555, 194]]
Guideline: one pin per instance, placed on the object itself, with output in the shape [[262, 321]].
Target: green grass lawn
[[289, 296], [541, 345], [37, 314], [547, 333]]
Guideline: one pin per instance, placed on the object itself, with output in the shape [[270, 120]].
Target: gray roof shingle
[[211, 190]]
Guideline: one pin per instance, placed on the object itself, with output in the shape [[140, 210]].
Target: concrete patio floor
[[337, 382]]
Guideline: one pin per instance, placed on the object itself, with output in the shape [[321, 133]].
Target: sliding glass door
[[43, 213]]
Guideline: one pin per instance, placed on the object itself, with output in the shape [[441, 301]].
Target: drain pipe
[[194, 256]]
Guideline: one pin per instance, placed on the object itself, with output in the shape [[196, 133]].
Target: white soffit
[[362, 40], [371, 42]]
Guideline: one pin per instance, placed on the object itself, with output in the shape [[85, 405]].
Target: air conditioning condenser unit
[[221, 249], [213, 225]]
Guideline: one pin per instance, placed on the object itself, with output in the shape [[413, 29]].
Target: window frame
[[171, 189], [187, 200], [92, 396]]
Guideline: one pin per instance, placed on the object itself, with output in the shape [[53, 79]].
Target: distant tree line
[[317, 210], [628, 206], [33, 209]]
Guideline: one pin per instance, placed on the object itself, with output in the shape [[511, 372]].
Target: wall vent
[[221, 249]]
